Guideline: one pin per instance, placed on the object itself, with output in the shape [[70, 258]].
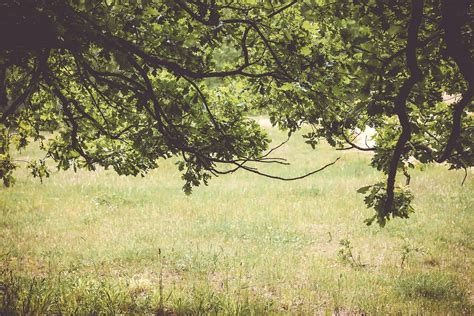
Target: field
[[95, 242]]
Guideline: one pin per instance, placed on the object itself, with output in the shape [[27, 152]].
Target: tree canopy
[[125, 83]]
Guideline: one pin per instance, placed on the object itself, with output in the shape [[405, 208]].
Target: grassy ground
[[96, 242]]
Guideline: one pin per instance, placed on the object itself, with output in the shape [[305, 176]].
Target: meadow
[[96, 242]]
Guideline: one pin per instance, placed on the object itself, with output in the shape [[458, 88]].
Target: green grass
[[90, 242]]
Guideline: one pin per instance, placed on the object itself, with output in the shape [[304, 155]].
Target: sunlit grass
[[91, 241]]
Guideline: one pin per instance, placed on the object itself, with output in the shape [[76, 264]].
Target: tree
[[124, 83]]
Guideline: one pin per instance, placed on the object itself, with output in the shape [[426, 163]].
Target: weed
[[346, 254], [407, 251]]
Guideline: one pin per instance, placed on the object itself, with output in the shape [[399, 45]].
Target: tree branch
[[32, 85], [401, 99], [454, 17]]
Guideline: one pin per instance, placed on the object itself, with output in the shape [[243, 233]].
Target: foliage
[[123, 84]]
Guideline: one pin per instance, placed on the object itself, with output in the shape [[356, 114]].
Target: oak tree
[[123, 84]]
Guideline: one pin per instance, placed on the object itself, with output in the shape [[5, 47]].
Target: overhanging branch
[[401, 99]]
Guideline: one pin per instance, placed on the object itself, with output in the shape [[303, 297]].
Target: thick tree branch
[[401, 99], [454, 17], [3, 86]]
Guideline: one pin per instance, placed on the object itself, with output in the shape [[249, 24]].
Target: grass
[[95, 242]]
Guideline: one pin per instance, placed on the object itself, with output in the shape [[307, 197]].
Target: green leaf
[[364, 190]]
